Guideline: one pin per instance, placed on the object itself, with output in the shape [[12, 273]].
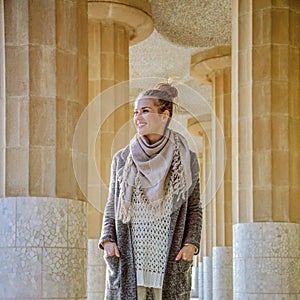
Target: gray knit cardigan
[[186, 224]]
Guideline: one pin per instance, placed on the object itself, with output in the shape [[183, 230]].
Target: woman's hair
[[164, 94]]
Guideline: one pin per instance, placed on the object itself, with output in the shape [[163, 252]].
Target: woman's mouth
[[141, 124]]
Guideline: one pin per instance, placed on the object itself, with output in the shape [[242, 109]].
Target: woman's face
[[148, 121]]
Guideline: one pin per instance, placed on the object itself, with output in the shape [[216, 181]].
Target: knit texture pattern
[[150, 243]]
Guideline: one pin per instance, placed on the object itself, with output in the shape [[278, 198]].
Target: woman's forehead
[[144, 102]]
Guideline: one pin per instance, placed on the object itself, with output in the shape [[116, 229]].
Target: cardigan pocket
[[112, 272], [184, 265], [180, 279]]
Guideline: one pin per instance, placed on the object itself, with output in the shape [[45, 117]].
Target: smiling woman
[[148, 121], [152, 220]]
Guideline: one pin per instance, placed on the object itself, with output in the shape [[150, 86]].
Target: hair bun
[[171, 90]]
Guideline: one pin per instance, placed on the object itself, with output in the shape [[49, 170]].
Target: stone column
[[113, 26], [201, 126], [213, 67], [200, 281], [266, 149], [2, 101], [43, 214], [207, 216]]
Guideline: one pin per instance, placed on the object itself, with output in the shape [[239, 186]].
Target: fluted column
[[213, 67], [42, 211], [266, 149], [113, 26]]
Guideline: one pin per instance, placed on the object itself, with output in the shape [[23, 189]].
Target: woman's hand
[[111, 249], [186, 253]]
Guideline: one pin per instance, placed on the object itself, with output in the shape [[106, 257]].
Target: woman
[[152, 220]]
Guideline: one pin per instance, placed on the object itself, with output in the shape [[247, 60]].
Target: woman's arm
[[193, 224], [108, 233]]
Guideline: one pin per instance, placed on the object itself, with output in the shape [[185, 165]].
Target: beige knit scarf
[[148, 169]]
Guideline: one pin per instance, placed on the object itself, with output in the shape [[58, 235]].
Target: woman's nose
[[137, 114]]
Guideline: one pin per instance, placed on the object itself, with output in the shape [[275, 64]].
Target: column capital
[[204, 63], [134, 14]]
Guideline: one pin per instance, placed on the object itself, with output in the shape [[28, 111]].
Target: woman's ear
[[166, 114]]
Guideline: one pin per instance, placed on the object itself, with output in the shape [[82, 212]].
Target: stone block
[[17, 71], [119, 68], [261, 66], [80, 166], [262, 168], [77, 224], [17, 171], [122, 40], [108, 64], [280, 132], [42, 127], [94, 49], [295, 204], [42, 222], [74, 111], [280, 95], [82, 28], [94, 89], [280, 25], [261, 98], [66, 26], [61, 123], [66, 185], [262, 133], [2, 171], [262, 204], [280, 62], [16, 264], [42, 171], [66, 74], [55, 273], [82, 84], [107, 37], [7, 222], [42, 71], [17, 122], [42, 22], [16, 22], [94, 221], [280, 168]]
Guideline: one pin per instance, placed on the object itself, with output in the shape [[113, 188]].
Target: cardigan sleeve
[[108, 232], [193, 223]]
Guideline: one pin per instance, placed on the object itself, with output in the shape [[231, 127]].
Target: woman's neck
[[152, 138]]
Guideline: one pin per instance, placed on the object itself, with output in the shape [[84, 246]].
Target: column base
[[96, 270], [222, 273], [266, 261], [207, 277], [200, 281], [42, 248]]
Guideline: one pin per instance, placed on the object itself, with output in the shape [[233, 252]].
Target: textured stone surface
[[207, 277], [222, 273], [203, 23], [266, 260], [7, 222], [96, 269], [156, 57], [43, 251]]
